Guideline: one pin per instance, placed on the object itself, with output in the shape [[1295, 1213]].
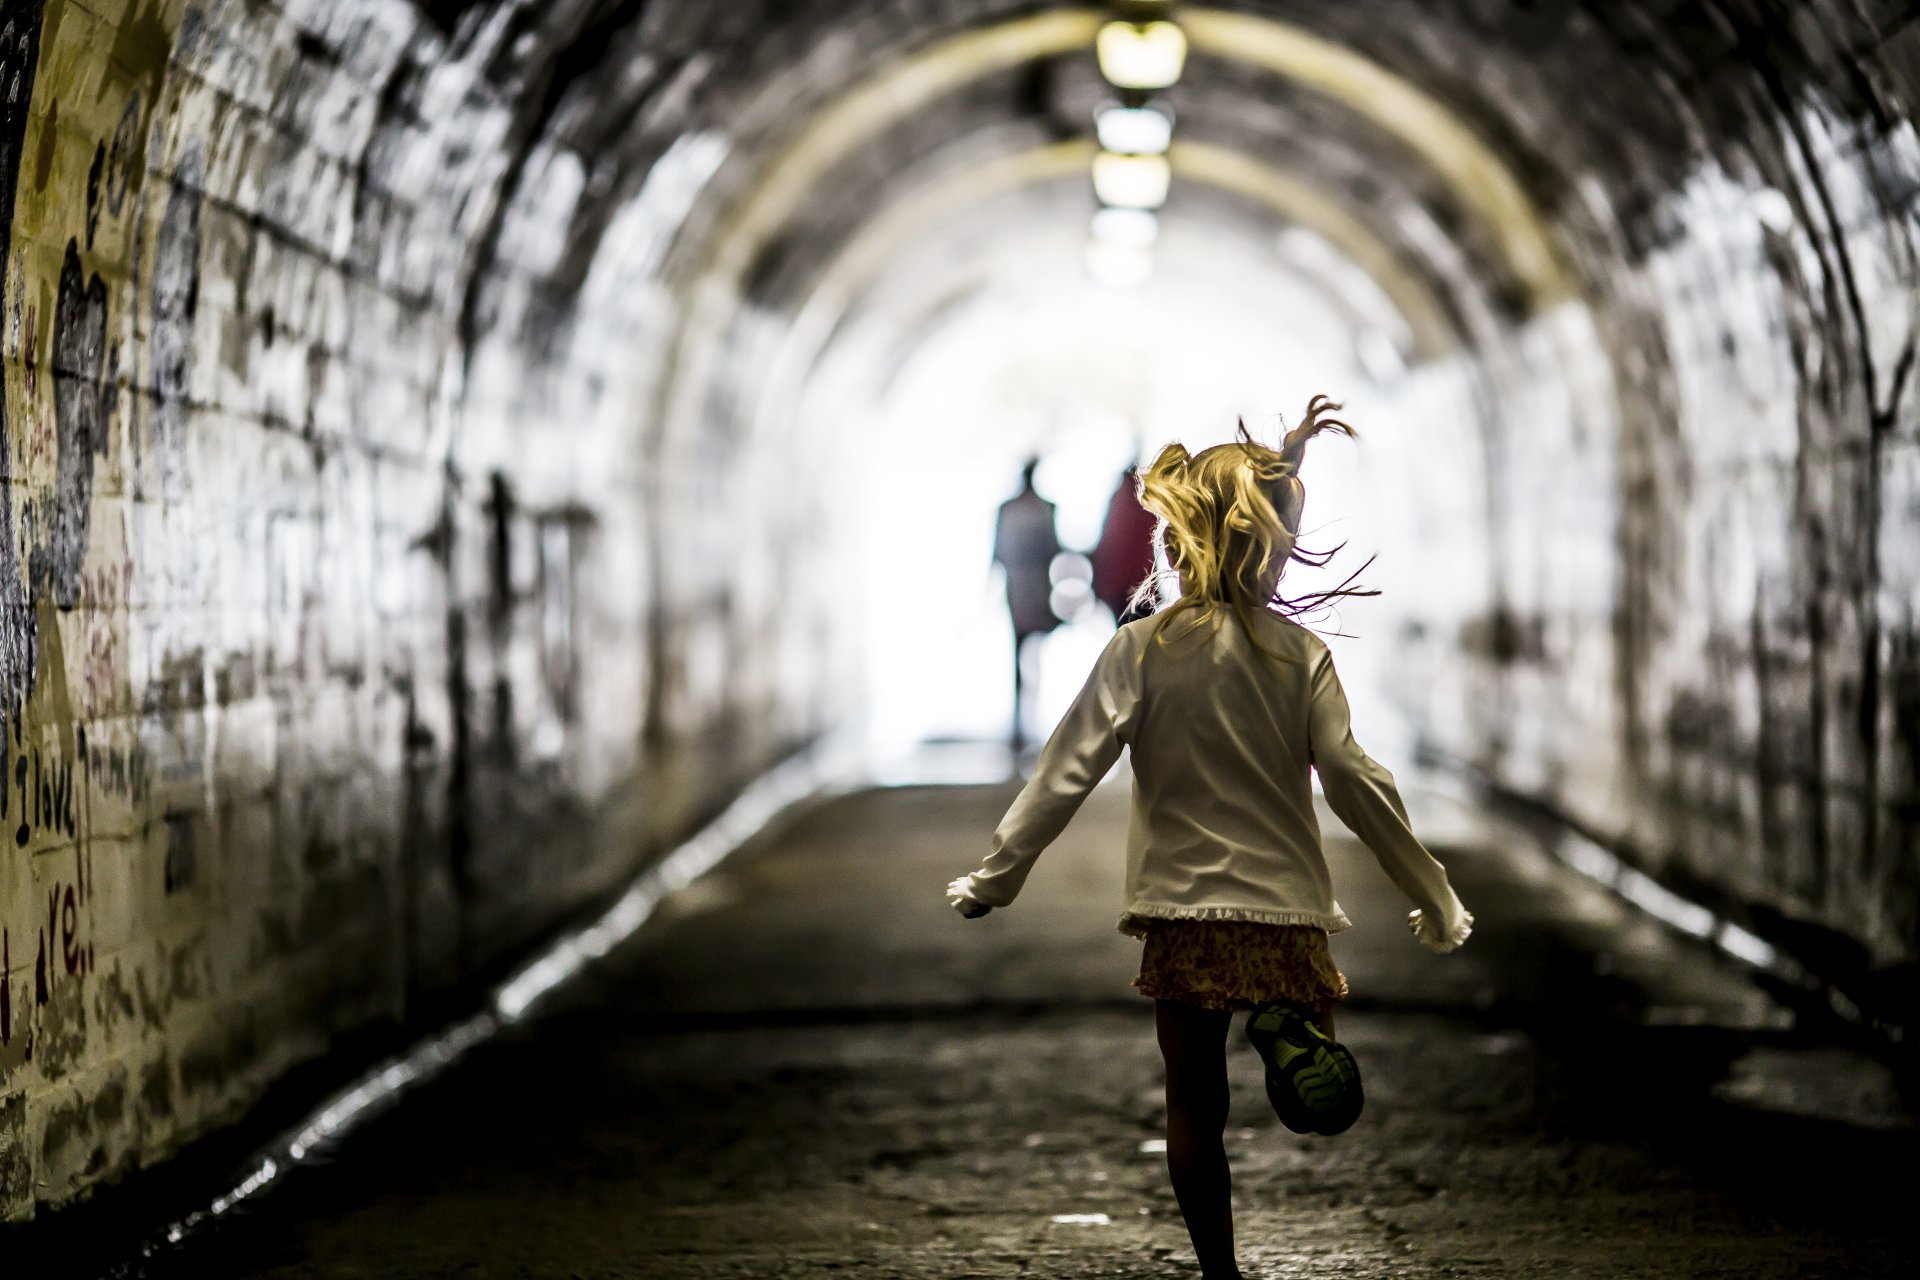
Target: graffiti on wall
[[19, 58], [59, 594], [83, 392]]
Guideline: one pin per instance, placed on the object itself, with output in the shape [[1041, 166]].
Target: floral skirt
[[1238, 964]]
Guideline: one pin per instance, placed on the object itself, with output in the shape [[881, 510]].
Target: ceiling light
[[1118, 266], [1134, 228], [1131, 182], [1380, 359], [1771, 206], [1142, 131], [1141, 55]]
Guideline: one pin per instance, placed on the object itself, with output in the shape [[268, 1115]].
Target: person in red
[[1123, 558]]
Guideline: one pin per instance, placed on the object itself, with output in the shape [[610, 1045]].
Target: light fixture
[[1140, 131], [1118, 266], [1141, 55], [1380, 359], [1130, 228], [1770, 206], [1131, 182]]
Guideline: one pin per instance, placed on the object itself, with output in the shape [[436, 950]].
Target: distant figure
[[1123, 558], [1024, 544], [1229, 706]]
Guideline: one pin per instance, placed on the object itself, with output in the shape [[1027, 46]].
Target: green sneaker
[[1313, 1082]]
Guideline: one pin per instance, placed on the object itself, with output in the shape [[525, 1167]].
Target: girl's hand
[[1436, 937], [960, 898]]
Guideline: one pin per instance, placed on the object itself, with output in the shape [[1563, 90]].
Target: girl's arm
[[1076, 757], [1362, 793]]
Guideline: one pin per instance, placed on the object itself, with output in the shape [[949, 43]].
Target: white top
[[1222, 825]]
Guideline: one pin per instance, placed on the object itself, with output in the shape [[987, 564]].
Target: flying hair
[[1230, 521]]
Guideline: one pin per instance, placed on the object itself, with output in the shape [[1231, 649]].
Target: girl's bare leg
[[1193, 1041]]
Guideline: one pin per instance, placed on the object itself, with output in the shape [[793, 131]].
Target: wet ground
[[807, 1066]]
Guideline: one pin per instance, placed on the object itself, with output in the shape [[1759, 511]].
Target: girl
[[1225, 704]]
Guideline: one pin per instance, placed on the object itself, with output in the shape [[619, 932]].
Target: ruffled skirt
[[1238, 964]]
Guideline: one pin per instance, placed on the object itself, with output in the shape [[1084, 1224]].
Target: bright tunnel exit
[[954, 376]]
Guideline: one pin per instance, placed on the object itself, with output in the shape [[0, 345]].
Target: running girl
[[1225, 702]]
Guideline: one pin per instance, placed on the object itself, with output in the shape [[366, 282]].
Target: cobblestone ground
[[806, 1066]]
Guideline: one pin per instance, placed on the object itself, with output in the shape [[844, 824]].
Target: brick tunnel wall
[[1695, 493], [333, 650]]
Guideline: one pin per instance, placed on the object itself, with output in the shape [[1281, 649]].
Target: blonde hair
[[1229, 518]]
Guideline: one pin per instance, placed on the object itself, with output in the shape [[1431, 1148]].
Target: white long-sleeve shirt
[[1222, 824]]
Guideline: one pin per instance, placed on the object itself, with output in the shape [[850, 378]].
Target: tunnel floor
[[807, 1066]]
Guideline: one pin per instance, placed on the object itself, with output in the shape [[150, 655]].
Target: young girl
[[1225, 704]]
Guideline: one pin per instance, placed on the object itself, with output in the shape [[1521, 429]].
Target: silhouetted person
[[1024, 544], [1123, 558]]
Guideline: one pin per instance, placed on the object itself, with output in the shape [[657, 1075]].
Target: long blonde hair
[[1228, 515]]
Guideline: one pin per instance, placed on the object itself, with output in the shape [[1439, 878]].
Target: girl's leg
[[1019, 696], [1193, 1041]]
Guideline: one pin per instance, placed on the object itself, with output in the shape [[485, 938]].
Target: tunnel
[[455, 450]]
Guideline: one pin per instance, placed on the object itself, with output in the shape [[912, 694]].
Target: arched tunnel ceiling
[[1352, 171], [803, 93], [914, 178], [618, 80], [1338, 144]]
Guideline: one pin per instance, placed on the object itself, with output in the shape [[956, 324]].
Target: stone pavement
[[807, 1066]]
